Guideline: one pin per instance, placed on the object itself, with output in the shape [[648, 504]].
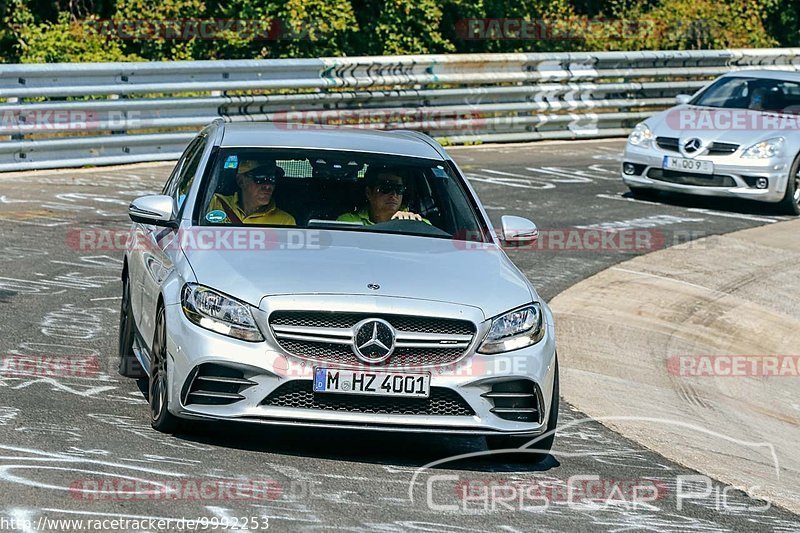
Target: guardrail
[[66, 115]]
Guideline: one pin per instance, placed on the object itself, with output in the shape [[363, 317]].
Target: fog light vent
[[516, 400]]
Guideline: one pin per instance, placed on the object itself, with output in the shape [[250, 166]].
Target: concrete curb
[[625, 332]]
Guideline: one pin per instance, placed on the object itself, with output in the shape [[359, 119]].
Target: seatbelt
[[231, 215]]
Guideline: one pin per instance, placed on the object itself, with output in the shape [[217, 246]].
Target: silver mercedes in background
[[332, 321], [737, 137]]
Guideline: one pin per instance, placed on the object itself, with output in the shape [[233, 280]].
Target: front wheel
[[542, 445], [160, 417], [128, 364], [790, 204]]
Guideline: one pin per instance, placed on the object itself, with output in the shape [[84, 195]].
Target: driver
[[384, 191], [253, 202]]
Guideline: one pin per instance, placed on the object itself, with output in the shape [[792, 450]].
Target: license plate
[[688, 165], [373, 383]]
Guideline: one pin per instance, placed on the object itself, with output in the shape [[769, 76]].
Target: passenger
[[757, 99], [253, 202], [384, 191]]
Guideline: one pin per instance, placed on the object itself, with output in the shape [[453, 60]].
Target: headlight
[[765, 149], [211, 310], [514, 330], [641, 136]]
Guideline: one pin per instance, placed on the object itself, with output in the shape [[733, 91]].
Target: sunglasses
[[389, 187], [261, 179]]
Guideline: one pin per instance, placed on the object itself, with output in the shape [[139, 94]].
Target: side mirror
[[683, 98], [518, 231], [155, 209]]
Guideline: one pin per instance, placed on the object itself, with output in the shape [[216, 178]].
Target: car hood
[[346, 262], [744, 127]]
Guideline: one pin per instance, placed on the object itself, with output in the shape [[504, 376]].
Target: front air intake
[[516, 400], [213, 384]]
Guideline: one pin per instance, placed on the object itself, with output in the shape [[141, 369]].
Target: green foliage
[[681, 25], [63, 40], [78, 30]]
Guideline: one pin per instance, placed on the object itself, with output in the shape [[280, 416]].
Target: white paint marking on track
[[225, 516], [511, 182], [692, 209], [732, 215], [6, 200], [22, 519], [107, 298]]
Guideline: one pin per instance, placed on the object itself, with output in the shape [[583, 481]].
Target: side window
[[172, 182], [186, 174]]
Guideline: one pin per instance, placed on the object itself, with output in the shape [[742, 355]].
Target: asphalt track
[[69, 439]]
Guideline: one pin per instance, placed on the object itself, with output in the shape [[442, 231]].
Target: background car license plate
[[374, 383], [688, 165]]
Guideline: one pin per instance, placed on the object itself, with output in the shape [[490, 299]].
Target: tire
[[790, 205], [129, 366], [644, 194], [543, 446], [157, 391]]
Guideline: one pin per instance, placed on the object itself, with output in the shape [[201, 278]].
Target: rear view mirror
[[683, 98], [154, 209], [518, 231]]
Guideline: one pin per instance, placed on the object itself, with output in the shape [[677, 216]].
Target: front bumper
[[269, 367], [775, 170]]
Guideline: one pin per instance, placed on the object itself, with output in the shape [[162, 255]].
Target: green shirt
[[362, 217]]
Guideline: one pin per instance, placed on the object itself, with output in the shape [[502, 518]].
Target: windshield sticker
[[217, 215], [231, 162]]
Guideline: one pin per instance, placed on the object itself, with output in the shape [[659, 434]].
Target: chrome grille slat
[[221, 395], [314, 331], [310, 338], [328, 337], [223, 379], [433, 345], [507, 395]]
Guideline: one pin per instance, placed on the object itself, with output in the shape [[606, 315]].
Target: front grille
[[722, 148], [672, 144], [343, 354], [686, 178], [328, 337], [327, 319], [300, 395], [668, 143]]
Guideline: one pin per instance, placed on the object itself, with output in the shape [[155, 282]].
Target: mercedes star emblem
[[373, 340], [692, 145]]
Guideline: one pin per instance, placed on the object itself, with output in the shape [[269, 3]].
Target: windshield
[[751, 93], [348, 191]]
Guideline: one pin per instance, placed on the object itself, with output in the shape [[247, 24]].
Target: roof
[[289, 135], [786, 75]]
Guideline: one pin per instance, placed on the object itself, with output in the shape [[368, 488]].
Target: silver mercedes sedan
[[737, 137], [334, 278]]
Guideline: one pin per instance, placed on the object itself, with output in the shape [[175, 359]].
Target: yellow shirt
[[269, 214]]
